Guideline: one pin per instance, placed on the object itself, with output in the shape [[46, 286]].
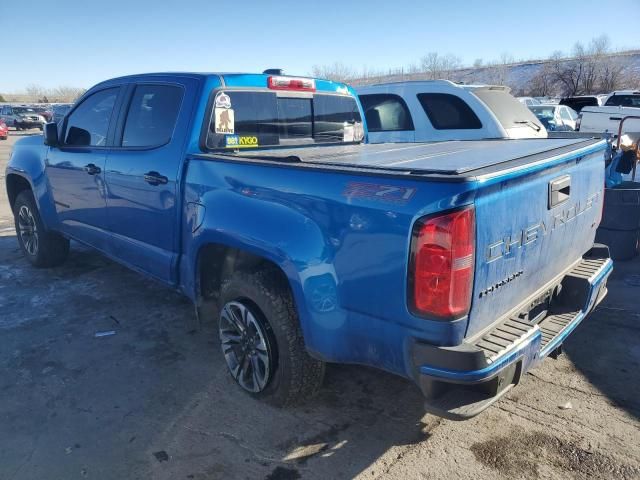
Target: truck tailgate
[[532, 225], [607, 119]]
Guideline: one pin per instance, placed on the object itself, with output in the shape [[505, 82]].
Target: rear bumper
[[460, 382]]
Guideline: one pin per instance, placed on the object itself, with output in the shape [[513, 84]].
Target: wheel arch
[[15, 184], [217, 261]]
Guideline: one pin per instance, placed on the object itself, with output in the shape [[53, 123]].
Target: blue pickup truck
[[459, 265]]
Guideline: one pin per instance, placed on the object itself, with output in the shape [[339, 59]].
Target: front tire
[[262, 341], [42, 247]]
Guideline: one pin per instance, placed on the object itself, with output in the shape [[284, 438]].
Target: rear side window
[[152, 115], [448, 112], [264, 118], [509, 111], [386, 113], [88, 124], [623, 101]]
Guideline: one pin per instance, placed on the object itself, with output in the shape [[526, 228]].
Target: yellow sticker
[[248, 142]]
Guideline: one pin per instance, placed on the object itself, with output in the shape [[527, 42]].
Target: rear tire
[[286, 373], [43, 248]]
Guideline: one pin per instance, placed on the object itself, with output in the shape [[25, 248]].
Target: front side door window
[[88, 124]]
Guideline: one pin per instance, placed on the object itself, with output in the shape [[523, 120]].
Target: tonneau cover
[[446, 158]]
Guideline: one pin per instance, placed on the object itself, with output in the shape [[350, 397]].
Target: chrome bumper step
[[507, 335]]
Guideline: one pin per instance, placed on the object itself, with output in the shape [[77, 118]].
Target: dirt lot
[[152, 401]]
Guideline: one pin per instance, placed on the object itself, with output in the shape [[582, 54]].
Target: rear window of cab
[[241, 119]]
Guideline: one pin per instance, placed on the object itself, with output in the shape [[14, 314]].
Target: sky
[[81, 42]]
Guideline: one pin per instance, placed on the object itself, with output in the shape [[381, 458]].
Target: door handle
[[559, 190], [92, 169], [154, 178]]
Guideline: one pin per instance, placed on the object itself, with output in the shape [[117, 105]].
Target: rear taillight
[[291, 83], [441, 265]]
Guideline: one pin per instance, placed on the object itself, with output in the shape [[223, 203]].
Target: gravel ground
[[153, 401]]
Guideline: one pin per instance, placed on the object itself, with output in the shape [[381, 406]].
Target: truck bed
[[452, 158]]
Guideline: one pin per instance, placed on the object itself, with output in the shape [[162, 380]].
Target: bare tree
[[66, 94], [35, 91], [338, 72], [613, 75], [588, 69], [498, 70], [542, 83], [439, 66], [430, 64], [592, 63], [567, 72], [450, 64]]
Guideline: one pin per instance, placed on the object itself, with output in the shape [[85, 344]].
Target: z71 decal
[[381, 193]]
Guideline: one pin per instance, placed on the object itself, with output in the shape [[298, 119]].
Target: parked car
[[623, 98], [4, 130], [21, 117], [556, 117], [441, 110], [60, 110], [45, 112], [459, 265], [615, 107], [528, 101], [577, 103]]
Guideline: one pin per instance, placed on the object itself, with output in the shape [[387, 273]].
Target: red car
[[4, 130]]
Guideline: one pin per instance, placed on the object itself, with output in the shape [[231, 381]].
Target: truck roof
[[427, 83], [452, 158], [231, 79]]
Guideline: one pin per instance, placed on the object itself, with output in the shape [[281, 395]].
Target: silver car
[[21, 118]]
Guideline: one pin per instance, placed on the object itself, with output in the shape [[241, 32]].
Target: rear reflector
[[442, 264], [291, 83]]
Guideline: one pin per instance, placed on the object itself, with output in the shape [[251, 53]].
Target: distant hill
[[518, 75]]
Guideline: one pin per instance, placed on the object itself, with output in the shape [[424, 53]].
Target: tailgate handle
[[615, 118], [559, 190]]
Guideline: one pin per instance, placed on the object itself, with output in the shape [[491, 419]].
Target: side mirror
[[51, 134]]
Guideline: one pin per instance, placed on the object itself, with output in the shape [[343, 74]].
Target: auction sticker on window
[[237, 141], [224, 121]]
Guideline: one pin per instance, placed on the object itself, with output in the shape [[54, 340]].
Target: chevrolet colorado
[[459, 265]]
